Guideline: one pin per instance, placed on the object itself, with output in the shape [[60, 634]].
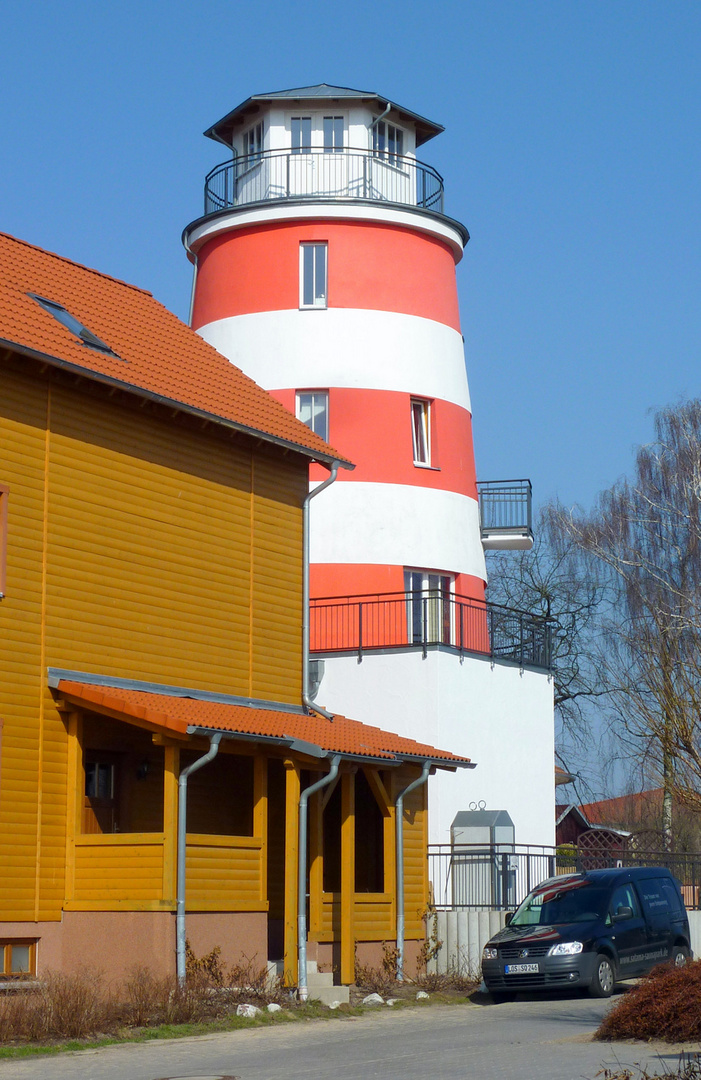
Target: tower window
[[312, 275], [388, 142], [421, 430], [333, 134], [253, 143], [75, 326], [312, 408], [429, 607], [301, 127]]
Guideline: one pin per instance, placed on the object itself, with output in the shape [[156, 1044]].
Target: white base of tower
[[499, 715]]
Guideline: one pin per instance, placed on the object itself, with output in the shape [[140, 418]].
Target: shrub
[[666, 1005], [62, 1006]]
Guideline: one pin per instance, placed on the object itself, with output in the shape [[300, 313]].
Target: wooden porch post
[[76, 796], [347, 877], [171, 770], [292, 793]]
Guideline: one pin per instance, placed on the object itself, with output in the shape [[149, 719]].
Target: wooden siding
[[141, 547], [224, 873], [103, 863]]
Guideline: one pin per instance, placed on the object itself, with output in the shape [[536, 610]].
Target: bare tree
[[644, 539], [549, 581]]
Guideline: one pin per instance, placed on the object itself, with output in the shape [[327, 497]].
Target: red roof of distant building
[[155, 354], [624, 810]]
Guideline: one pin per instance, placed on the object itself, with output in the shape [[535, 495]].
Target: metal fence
[[426, 618], [505, 505], [314, 174], [500, 876]]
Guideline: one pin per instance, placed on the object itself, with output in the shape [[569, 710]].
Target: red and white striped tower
[[325, 269], [325, 195]]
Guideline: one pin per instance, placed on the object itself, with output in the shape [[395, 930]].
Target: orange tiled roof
[[177, 714], [156, 352]]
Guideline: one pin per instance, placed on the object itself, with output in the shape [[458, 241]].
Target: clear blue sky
[[572, 152]]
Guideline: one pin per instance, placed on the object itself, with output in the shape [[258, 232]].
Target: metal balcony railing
[[316, 174], [425, 619], [505, 509]]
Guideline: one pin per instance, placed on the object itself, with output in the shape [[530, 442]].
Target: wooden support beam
[[260, 817], [292, 793], [316, 864], [171, 771], [347, 877], [76, 796]]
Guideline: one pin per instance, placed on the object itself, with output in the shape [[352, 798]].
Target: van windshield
[[555, 904]]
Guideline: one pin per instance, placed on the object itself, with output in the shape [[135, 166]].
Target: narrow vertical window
[[3, 539], [421, 430], [253, 144], [301, 127], [312, 408], [333, 134], [312, 275], [388, 142], [430, 614]]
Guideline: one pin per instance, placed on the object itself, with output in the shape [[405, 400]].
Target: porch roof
[[183, 712]]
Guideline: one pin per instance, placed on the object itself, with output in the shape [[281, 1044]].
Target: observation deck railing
[[317, 174], [358, 624]]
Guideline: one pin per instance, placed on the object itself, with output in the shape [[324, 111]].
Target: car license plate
[[521, 969]]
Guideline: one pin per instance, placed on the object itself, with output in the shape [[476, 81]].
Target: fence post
[[424, 628], [360, 631]]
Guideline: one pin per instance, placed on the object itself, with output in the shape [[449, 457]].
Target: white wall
[[494, 713]]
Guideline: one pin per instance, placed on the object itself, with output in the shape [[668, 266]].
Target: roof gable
[[152, 353]]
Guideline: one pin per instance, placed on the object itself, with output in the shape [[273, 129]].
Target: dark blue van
[[589, 930]]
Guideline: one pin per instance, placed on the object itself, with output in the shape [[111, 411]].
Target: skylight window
[[74, 325]]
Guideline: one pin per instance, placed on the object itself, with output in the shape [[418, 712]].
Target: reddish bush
[[666, 1005]]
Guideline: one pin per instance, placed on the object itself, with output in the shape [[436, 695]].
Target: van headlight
[[488, 953], [566, 948]]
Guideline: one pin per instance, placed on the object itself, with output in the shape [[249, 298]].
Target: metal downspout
[[182, 830], [399, 826], [302, 990], [305, 592]]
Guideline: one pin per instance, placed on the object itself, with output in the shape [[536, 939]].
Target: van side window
[[624, 896], [658, 896]]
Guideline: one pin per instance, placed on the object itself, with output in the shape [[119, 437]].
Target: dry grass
[[84, 1005], [688, 1068], [665, 1005]]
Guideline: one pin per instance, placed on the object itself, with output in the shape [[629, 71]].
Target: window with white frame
[[253, 144], [388, 142], [312, 408], [301, 129], [313, 274], [421, 430], [333, 134], [429, 598]]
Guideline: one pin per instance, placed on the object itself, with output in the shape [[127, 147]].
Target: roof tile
[[156, 352]]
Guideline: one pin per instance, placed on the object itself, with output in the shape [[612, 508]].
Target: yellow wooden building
[[151, 570]]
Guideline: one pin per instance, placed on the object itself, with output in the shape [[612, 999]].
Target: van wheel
[[680, 955], [604, 977]]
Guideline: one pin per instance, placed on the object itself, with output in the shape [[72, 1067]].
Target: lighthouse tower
[[325, 269]]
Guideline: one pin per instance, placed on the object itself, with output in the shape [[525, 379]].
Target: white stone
[[273, 1007], [247, 1010], [373, 999], [391, 1001], [335, 1005], [422, 996]]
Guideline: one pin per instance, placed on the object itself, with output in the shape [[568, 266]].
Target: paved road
[[530, 1039]]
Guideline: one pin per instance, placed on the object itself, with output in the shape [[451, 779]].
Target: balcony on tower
[[505, 515], [325, 143]]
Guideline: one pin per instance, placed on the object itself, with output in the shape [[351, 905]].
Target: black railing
[[423, 619], [496, 877], [314, 174], [505, 506], [500, 876]]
